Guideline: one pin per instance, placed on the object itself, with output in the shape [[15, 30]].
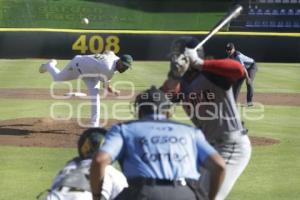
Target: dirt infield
[[41, 132], [46, 132], [49, 133], [284, 99]]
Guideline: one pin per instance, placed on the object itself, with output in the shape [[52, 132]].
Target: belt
[[150, 181], [69, 189]]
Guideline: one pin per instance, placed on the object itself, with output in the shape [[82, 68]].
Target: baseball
[[85, 20]]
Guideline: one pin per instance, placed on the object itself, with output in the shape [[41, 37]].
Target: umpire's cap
[[89, 142], [152, 101], [126, 60], [229, 46]]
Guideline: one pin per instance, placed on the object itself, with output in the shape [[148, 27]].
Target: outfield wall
[[143, 45]]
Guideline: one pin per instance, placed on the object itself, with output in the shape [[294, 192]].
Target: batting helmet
[[178, 46], [152, 101], [89, 142]]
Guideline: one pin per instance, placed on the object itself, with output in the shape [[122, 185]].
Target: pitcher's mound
[[42, 132], [46, 132]]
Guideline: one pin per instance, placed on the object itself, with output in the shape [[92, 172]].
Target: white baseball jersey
[[99, 64], [114, 182], [102, 64]]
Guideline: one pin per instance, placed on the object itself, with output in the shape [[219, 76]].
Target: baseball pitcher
[[92, 69]]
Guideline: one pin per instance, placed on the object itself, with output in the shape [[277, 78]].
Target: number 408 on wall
[[96, 44]]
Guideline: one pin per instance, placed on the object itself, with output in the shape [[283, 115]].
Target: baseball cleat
[[249, 104], [53, 62], [43, 67]]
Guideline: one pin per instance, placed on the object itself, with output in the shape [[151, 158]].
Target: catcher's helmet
[[178, 46], [89, 142], [151, 101]]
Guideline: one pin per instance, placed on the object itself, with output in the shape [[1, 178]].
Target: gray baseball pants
[[236, 153]]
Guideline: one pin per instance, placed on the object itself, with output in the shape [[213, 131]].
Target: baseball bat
[[233, 14]]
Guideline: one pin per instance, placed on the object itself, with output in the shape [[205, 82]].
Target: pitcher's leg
[[69, 72], [92, 85]]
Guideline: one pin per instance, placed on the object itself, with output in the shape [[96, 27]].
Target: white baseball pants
[[71, 72]]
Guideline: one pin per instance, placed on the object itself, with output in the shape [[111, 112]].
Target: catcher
[[72, 182]]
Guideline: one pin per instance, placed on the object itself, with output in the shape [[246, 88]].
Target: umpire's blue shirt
[[158, 149], [246, 61]]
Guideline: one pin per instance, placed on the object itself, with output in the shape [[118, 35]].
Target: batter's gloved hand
[[179, 65], [192, 55]]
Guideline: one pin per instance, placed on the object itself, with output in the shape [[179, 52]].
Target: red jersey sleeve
[[227, 68]]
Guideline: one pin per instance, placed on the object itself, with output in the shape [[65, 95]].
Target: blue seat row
[[279, 1], [275, 12], [273, 24]]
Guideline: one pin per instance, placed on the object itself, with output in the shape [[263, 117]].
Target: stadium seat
[[290, 12], [282, 12], [288, 24], [259, 12], [265, 24], [257, 23], [296, 24], [280, 24], [251, 11], [272, 24], [249, 24], [275, 12], [267, 12]]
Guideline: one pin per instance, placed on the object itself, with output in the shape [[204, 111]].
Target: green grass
[[118, 14], [271, 77], [32, 169], [277, 77], [273, 172], [27, 171]]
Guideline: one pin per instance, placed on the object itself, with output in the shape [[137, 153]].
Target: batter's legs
[[236, 155]]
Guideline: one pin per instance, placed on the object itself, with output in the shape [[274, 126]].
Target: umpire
[[160, 158], [250, 71]]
